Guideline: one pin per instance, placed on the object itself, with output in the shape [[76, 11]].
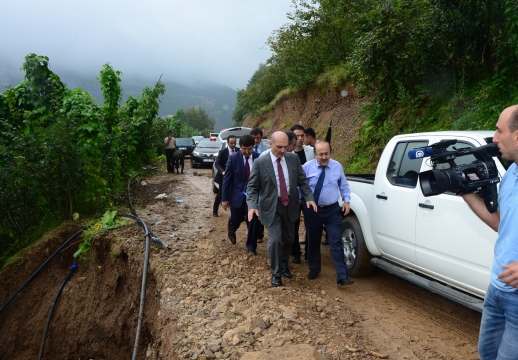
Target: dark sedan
[[186, 145], [205, 153]]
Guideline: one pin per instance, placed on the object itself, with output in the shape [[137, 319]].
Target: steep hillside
[[316, 109]]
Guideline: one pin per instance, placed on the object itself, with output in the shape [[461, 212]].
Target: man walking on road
[[170, 147], [499, 324], [305, 154], [237, 175], [327, 181], [221, 163], [273, 184]]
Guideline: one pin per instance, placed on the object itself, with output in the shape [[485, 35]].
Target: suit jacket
[[221, 163], [310, 152], [262, 188], [234, 181]]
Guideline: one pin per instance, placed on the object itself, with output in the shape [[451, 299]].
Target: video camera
[[481, 174]]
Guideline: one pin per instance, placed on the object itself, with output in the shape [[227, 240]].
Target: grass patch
[[334, 79]]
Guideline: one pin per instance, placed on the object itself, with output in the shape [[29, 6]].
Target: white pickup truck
[[436, 242]]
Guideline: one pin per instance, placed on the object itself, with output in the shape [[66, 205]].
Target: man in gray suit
[[273, 184]]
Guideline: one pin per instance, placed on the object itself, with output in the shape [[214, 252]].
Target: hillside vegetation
[[61, 153], [412, 65]]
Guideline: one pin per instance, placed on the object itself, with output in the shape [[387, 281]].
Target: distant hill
[[218, 100]]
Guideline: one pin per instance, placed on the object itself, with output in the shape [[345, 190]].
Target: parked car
[[197, 139], [186, 145], [436, 242], [205, 153]]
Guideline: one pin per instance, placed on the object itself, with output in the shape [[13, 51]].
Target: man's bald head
[[278, 143]]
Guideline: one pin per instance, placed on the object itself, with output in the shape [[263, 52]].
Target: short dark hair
[[297, 127], [246, 140], [231, 137], [169, 132], [513, 121], [255, 131], [291, 135], [310, 132]]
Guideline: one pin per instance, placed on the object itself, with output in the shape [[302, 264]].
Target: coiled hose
[[144, 283], [72, 268], [39, 269]]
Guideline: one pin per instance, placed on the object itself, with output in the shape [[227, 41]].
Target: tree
[[197, 118]]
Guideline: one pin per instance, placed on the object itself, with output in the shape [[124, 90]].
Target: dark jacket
[[234, 181], [221, 163]]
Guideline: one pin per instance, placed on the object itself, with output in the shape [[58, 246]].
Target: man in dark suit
[[221, 163], [237, 174], [273, 185]]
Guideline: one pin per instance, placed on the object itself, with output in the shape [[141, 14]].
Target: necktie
[[320, 184], [282, 184], [256, 147], [232, 151], [247, 169]]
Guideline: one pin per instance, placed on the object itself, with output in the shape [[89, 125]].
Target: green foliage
[[61, 153], [197, 118], [109, 221], [424, 64], [262, 87]]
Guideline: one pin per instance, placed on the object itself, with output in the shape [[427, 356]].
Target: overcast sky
[[221, 41]]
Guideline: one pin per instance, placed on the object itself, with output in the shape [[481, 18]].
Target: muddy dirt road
[[209, 299], [390, 316]]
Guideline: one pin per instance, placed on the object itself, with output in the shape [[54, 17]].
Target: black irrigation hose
[[39, 269], [42, 346], [144, 283], [129, 196], [134, 213]]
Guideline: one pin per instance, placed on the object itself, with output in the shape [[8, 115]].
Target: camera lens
[[435, 182]]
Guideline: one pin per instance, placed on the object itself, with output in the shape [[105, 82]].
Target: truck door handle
[[382, 197], [426, 206]]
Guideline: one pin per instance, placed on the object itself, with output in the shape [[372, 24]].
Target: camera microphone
[[420, 153]]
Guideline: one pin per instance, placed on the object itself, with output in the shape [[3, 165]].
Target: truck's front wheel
[[356, 255]]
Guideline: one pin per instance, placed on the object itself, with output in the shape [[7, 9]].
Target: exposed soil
[[207, 298], [318, 109]]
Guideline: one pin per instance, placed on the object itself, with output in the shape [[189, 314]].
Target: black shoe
[[312, 275], [232, 236], [252, 252], [215, 214], [276, 281], [286, 273], [295, 259], [325, 242], [345, 282]]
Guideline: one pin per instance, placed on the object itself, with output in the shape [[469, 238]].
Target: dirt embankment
[[209, 299], [317, 109]]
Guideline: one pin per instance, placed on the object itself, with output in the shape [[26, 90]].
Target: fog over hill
[[218, 100]]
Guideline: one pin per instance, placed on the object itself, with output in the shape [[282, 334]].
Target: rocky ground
[[209, 299], [220, 299]]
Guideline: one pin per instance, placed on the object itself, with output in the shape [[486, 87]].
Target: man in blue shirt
[[327, 181], [259, 146], [499, 324]]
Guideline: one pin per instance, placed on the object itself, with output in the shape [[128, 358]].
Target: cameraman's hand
[[510, 275]]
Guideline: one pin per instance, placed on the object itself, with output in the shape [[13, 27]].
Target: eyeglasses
[[323, 154]]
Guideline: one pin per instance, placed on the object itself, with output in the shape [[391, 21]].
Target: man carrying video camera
[[499, 324]]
